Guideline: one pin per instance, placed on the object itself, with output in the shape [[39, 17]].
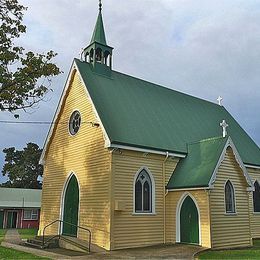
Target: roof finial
[[224, 126], [100, 6], [219, 99]]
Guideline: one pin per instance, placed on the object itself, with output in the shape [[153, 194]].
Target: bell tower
[[98, 53]]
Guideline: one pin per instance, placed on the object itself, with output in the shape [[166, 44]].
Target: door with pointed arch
[[189, 222], [71, 207]]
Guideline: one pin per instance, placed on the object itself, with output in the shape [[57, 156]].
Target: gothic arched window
[[230, 198], [256, 197], [143, 192]]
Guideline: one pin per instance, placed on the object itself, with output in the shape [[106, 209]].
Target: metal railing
[[59, 232]]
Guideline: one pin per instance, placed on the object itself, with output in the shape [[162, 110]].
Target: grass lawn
[[27, 233], [251, 253], [2, 234], [7, 253]]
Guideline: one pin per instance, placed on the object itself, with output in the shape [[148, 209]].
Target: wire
[[42, 122]]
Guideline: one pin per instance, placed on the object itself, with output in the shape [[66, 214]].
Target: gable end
[[230, 144]]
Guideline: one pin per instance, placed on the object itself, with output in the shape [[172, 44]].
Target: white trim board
[[230, 143], [57, 112], [70, 77], [106, 138]]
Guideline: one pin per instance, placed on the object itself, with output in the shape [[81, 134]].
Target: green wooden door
[[1, 219], [189, 222], [71, 206]]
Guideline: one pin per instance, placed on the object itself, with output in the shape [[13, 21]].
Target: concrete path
[[12, 236], [177, 251]]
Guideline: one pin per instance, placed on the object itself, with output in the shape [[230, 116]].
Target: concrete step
[[29, 244], [37, 242], [74, 244], [34, 241]]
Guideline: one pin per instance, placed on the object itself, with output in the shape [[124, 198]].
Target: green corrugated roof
[[197, 168], [142, 114], [20, 198], [99, 32]]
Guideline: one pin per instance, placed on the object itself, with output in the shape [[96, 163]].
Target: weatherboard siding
[[255, 217], [230, 230], [172, 200], [130, 230], [83, 154]]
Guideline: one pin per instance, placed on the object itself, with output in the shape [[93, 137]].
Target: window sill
[[29, 219], [256, 213], [144, 214], [230, 214]]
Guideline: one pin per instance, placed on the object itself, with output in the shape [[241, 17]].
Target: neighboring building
[[140, 164], [19, 208]]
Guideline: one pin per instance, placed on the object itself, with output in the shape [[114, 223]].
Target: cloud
[[203, 48]]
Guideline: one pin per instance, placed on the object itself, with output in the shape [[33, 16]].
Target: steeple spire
[[99, 32], [98, 53]]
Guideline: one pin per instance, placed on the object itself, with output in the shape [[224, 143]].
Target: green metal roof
[[99, 32], [142, 114], [20, 198], [197, 168]]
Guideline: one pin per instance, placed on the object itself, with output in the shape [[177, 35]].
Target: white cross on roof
[[224, 126], [219, 99]]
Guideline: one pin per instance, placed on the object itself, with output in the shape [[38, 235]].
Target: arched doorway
[[189, 222], [71, 207]]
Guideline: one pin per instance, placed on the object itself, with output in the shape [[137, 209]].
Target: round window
[[74, 123]]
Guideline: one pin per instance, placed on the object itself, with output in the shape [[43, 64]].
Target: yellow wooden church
[[139, 164]]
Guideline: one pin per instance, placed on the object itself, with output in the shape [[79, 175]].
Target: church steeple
[[99, 32], [98, 53]]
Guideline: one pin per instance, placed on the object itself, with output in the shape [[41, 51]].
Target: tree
[[22, 167], [25, 77]]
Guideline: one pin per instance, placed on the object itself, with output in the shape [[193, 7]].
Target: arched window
[[143, 193], [256, 197], [99, 55], [87, 59], [229, 198], [106, 57]]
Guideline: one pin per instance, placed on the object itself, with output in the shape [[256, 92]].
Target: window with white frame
[[143, 193], [230, 198], [256, 197], [30, 214]]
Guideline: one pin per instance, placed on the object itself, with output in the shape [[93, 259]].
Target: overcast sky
[[203, 48]]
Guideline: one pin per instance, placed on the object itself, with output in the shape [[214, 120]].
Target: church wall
[[85, 155], [255, 217], [202, 199], [130, 230], [230, 230]]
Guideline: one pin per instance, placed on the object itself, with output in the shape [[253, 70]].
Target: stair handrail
[[59, 232]]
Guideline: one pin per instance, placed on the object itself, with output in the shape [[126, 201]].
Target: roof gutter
[[195, 188], [144, 150], [252, 166]]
